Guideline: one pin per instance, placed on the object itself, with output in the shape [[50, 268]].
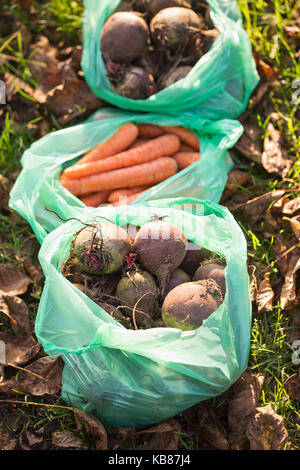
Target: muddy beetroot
[[189, 304], [175, 28], [178, 277], [135, 83], [160, 248], [214, 270], [123, 37], [101, 248]]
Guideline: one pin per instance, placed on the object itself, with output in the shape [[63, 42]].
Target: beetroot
[[214, 270], [133, 286], [194, 255], [175, 75], [186, 306], [175, 28], [124, 37], [178, 277], [160, 248], [101, 248], [154, 6], [135, 83]]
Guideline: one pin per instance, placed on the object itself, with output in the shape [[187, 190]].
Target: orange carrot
[[185, 159], [165, 145], [95, 199], [145, 174], [138, 142], [149, 131], [187, 136], [126, 192], [124, 201], [185, 148], [118, 142]]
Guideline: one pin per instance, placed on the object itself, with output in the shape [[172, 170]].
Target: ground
[[261, 410]]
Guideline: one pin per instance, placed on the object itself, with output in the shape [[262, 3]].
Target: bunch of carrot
[[131, 161]]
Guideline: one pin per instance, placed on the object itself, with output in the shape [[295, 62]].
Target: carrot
[[187, 136], [138, 142], [95, 199], [126, 192], [145, 174], [185, 159], [149, 131], [127, 200], [185, 148], [118, 142], [155, 148]]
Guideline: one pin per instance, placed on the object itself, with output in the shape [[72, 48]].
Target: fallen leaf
[[30, 441], [274, 157], [47, 380], [250, 143], [28, 255], [43, 61], [242, 407], [266, 430], [295, 225], [253, 282], [92, 426], [13, 281], [13, 85], [265, 295], [165, 435], [293, 387], [291, 206], [211, 428], [293, 332], [254, 209], [5, 187], [288, 290], [67, 440], [235, 180], [18, 350], [265, 70], [293, 31], [17, 311], [7, 440]]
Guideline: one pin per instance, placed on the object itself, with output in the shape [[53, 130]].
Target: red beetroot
[[160, 248]]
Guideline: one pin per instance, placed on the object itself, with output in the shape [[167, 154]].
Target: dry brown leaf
[[292, 206], [165, 435], [288, 290], [7, 440], [13, 85], [255, 208], [242, 407], [43, 61], [253, 282], [274, 157], [293, 31], [67, 440], [93, 427], [293, 386], [211, 428], [293, 332], [48, 381], [265, 70], [30, 441], [280, 246], [18, 350], [28, 255], [266, 430], [265, 295], [250, 144], [236, 178], [17, 311], [5, 187], [295, 225], [13, 281]]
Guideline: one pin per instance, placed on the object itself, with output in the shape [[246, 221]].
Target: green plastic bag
[[140, 377], [38, 189], [218, 86]]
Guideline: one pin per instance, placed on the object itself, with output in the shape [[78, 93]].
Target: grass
[[265, 23]]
